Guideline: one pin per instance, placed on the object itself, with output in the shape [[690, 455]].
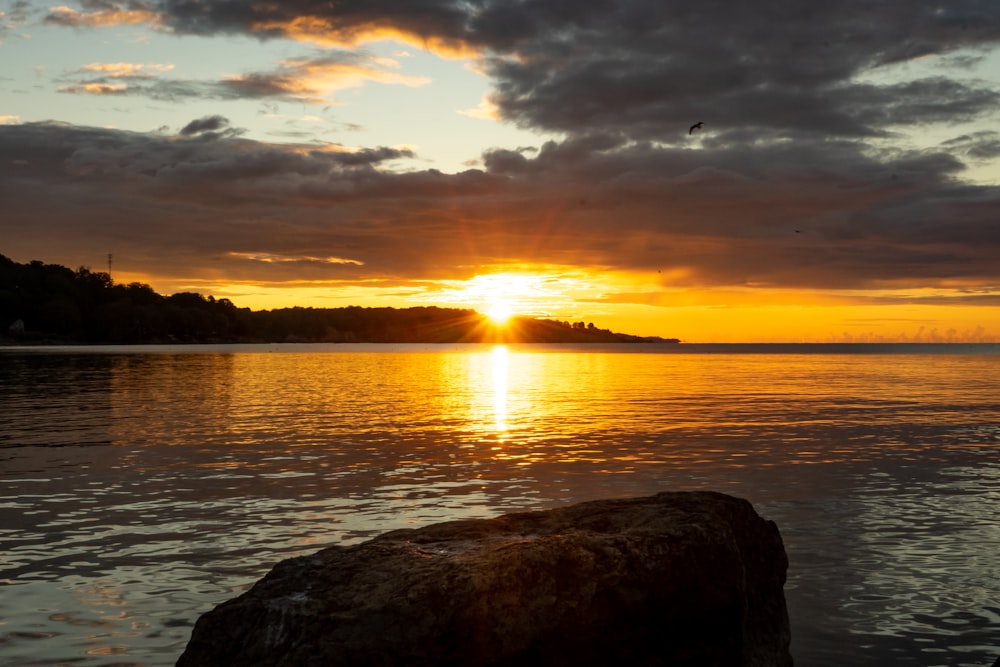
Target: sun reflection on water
[[191, 474], [500, 367]]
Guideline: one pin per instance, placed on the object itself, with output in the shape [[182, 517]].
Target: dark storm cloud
[[98, 153], [785, 215], [917, 102], [182, 201], [794, 180], [345, 20], [650, 68]]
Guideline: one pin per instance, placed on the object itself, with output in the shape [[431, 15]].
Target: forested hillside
[[48, 303]]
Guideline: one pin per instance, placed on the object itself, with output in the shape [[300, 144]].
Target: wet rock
[[672, 579]]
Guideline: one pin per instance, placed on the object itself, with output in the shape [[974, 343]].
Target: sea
[[141, 486]]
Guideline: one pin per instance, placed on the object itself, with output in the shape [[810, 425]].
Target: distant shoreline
[[49, 304], [653, 347], [8, 343]]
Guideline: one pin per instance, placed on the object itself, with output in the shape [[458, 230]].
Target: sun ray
[[500, 313]]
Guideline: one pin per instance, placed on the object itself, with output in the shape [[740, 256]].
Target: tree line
[[49, 303]]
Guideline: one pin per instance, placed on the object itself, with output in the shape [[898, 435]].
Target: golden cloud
[[273, 258], [321, 31], [103, 18], [310, 80], [335, 75], [485, 110], [96, 88], [120, 70]]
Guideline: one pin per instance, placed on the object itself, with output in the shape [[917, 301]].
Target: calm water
[[140, 487]]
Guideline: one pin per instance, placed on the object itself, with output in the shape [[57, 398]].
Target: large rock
[[672, 579]]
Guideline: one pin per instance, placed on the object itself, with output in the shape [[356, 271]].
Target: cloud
[[118, 78], [96, 88], [816, 168], [644, 69], [304, 80], [126, 70], [313, 79], [647, 68], [436, 26], [100, 15], [206, 124], [779, 216], [14, 19], [486, 110], [271, 258], [980, 145]]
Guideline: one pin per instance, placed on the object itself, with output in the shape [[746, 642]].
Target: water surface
[[141, 486]]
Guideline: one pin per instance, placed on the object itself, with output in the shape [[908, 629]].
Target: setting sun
[[500, 312]]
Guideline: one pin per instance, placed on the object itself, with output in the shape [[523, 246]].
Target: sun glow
[[534, 292], [500, 312]]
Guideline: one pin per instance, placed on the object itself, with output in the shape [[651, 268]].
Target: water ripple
[[139, 490]]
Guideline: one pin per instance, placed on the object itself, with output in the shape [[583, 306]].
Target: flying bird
[[696, 126]]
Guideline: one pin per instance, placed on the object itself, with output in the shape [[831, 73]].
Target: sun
[[500, 312]]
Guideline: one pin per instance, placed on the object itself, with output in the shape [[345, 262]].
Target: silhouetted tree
[[57, 304]]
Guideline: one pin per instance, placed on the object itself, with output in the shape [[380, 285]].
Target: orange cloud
[[323, 32], [486, 110], [273, 258], [121, 70], [310, 80], [96, 88], [104, 18], [337, 75]]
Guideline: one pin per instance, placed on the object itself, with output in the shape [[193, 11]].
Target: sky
[[843, 183]]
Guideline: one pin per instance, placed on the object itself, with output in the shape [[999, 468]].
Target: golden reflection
[[500, 367]]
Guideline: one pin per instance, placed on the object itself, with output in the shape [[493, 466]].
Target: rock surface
[[671, 579]]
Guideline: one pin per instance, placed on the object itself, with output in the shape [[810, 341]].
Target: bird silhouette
[[696, 126]]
